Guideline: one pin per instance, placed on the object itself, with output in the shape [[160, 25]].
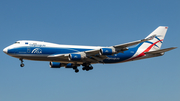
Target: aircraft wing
[[134, 42], [92, 55], [62, 56], [88, 53]]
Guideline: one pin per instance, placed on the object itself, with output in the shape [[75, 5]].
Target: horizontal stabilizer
[[160, 51]]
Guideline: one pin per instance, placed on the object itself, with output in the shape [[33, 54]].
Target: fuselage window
[[17, 43]]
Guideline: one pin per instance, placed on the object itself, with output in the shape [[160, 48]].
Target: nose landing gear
[[22, 64]]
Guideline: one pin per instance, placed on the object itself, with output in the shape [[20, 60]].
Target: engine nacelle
[[69, 65], [76, 57], [107, 51], [55, 64]]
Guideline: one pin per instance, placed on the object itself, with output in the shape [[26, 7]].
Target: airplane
[[72, 56]]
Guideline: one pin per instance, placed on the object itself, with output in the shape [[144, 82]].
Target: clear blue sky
[[90, 22]]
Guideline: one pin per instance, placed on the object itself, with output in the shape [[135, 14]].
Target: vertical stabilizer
[[160, 33], [155, 43], [151, 45]]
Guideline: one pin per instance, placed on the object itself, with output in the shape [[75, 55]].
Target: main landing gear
[[22, 64], [75, 68], [87, 67]]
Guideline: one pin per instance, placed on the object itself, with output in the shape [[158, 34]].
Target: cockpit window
[[17, 42]]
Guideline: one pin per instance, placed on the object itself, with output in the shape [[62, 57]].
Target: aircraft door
[[28, 49]]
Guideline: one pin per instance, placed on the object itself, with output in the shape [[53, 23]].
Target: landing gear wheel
[[87, 66], [83, 68], [87, 69], [76, 70], [22, 65], [90, 68]]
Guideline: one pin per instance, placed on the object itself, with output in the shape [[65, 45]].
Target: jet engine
[[69, 65], [107, 51], [55, 64], [76, 57]]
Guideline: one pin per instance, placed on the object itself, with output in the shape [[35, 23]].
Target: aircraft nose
[[5, 50]]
